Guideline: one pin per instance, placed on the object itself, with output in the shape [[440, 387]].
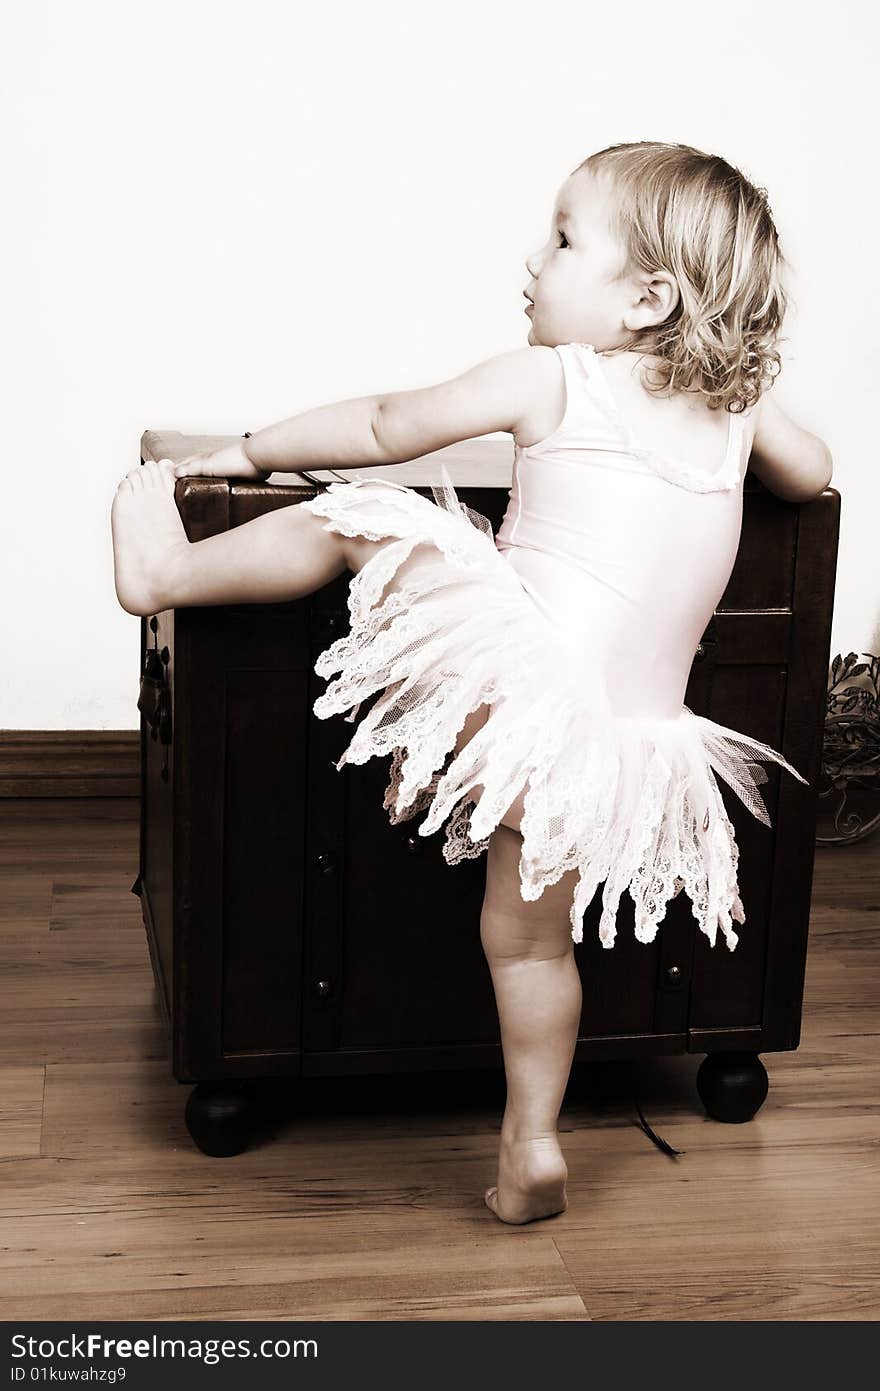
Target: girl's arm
[[497, 394], [397, 426], [793, 463], [402, 425]]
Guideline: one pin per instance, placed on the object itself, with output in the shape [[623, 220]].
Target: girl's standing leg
[[530, 953]]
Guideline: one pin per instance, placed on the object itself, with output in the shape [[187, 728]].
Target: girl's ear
[[658, 294], [661, 294]]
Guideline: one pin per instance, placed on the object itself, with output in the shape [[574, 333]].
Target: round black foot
[[221, 1117], [732, 1086]]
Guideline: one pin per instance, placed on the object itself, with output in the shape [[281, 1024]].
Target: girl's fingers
[[191, 465]]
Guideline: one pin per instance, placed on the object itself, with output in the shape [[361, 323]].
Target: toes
[[490, 1197], [167, 472], [153, 473]]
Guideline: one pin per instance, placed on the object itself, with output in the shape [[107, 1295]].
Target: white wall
[[219, 214]]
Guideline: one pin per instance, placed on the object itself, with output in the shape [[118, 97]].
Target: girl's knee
[[357, 550], [524, 937]]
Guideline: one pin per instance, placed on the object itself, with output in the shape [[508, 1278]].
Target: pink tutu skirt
[[631, 802]]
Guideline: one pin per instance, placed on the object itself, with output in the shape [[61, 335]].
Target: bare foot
[[531, 1180], [148, 536]]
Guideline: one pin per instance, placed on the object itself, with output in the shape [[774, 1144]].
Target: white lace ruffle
[[694, 480], [632, 802]]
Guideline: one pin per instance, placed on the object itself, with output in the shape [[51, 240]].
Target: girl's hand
[[229, 462]]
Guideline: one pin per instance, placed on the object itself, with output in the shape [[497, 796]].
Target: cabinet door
[[774, 625], [394, 961], [241, 719]]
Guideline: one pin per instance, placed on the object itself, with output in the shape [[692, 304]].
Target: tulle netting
[[632, 802]]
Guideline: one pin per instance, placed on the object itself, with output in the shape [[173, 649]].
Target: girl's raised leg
[[529, 949], [279, 556]]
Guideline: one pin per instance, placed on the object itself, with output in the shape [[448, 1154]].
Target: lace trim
[[728, 476]]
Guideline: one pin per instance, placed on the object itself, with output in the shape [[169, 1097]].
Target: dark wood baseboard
[[69, 763]]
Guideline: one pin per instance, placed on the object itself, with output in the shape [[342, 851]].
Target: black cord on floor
[[660, 1143]]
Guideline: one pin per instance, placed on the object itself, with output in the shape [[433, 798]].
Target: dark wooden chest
[[294, 932]]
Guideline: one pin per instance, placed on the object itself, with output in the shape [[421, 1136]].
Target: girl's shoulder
[[548, 401]]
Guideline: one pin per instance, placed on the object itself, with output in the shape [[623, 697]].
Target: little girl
[[530, 686]]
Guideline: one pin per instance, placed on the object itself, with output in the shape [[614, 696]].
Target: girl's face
[[579, 290]]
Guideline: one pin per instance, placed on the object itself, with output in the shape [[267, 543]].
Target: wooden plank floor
[[369, 1204]]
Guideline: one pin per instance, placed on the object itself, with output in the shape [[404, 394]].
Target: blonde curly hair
[[699, 219]]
